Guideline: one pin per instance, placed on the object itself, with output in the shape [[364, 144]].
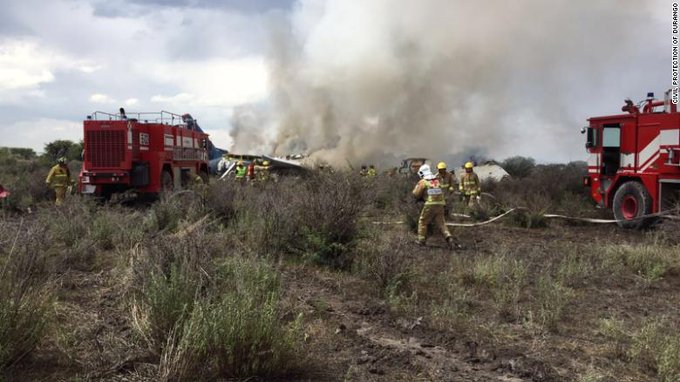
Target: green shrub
[[329, 208], [208, 318], [167, 275], [656, 347]]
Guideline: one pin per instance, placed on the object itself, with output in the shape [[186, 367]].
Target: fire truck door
[[611, 149]]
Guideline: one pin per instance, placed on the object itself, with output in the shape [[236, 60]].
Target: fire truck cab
[[145, 152], [634, 160]]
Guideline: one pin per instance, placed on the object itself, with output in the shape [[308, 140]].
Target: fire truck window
[[611, 137], [591, 138]]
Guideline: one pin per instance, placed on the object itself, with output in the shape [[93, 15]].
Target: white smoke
[[373, 80]]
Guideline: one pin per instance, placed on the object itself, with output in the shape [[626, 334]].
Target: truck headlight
[[85, 179]]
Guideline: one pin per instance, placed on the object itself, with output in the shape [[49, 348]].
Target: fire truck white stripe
[[651, 160], [646, 154]]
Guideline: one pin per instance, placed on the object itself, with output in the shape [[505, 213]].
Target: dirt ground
[[353, 333]]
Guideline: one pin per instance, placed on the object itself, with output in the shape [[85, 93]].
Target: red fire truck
[[634, 162], [144, 152]]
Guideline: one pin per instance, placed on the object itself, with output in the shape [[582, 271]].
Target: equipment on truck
[[144, 152], [634, 161], [215, 153]]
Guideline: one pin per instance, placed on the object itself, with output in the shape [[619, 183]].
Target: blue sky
[[539, 70]]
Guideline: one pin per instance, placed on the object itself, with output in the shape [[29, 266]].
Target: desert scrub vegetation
[[25, 178], [648, 262], [26, 290], [385, 260], [315, 219], [653, 346], [205, 313]]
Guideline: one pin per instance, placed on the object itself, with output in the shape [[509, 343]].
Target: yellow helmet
[[441, 166], [469, 165], [240, 163], [265, 163]]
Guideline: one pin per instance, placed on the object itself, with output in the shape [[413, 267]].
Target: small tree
[[63, 148], [519, 166]]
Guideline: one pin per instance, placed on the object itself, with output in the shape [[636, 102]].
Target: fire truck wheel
[[632, 201], [166, 181]]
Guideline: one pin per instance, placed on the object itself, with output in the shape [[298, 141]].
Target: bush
[[384, 260], [267, 219], [208, 318], [26, 182], [518, 166], [329, 208], [238, 333], [316, 219], [26, 293]]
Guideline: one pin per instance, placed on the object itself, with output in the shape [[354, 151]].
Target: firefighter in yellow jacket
[[447, 182], [59, 179], [469, 186], [428, 188]]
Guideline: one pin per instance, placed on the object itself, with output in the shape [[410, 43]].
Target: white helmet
[[424, 172]]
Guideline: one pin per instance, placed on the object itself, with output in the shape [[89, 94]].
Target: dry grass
[[26, 291], [192, 285]]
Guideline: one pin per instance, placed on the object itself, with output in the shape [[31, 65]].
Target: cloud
[[217, 82], [101, 98], [89, 68], [26, 65], [23, 65], [35, 133], [131, 101]]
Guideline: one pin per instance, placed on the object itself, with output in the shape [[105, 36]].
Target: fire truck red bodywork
[[642, 147], [149, 153]]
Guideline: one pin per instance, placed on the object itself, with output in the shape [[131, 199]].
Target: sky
[[336, 78]]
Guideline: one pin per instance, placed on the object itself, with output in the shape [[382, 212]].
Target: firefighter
[[469, 186], [251, 171], [59, 179], [428, 188], [263, 172], [446, 182], [240, 174], [371, 171]]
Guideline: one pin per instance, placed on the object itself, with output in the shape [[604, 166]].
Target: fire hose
[[664, 214]]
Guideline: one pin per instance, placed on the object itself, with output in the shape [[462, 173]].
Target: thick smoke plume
[[371, 81]]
